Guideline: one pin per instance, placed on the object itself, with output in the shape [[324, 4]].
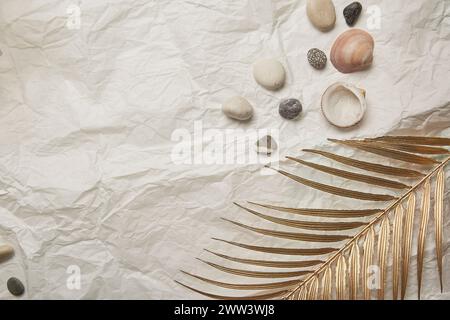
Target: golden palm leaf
[[377, 237]]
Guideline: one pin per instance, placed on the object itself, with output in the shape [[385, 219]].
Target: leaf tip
[[239, 205]]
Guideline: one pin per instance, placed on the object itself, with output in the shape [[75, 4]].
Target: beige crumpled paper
[[92, 92]]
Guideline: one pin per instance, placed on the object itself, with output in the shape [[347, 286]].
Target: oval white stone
[[321, 13], [269, 73], [238, 108], [6, 251]]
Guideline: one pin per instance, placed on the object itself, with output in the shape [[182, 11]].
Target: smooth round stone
[[317, 58], [238, 108], [6, 252], [269, 73], [15, 286], [352, 12], [290, 108], [321, 13]]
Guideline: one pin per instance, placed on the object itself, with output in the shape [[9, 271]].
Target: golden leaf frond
[[425, 213], [341, 277], [220, 297], [352, 270], [271, 264], [431, 141], [329, 213], [303, 293], [438, 219], [411, 148], [258, 274], [327, 284], [293, 235], [369, 244], [354, 176], [397, 250], [407, 240], [245, 286], [309, 225], [339, 191], [383, 247], [354, 262], [313, 290], [369, 166], [284, 251], [388, 153]]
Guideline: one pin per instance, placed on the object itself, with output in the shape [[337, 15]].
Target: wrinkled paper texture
[[91, 93]]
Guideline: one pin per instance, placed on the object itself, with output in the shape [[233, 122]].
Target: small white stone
[[321, 13], [238, 108], [269, 73], [6, 252]]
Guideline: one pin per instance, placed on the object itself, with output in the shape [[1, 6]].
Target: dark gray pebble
[[317, 58], [352, 12], [290, 108], [15, 286]]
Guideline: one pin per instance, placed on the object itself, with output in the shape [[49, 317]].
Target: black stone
[[290, 108], [352, 12], [15, 286]]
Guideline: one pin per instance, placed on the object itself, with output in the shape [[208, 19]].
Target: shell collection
[[342, 104]]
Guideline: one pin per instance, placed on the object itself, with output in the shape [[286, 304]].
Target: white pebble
[[269, 73], [321, 13], [238, 108], [6, 252]]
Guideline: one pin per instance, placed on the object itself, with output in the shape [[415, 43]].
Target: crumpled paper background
[[87, 115]]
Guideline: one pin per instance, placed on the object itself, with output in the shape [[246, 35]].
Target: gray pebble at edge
[[15, 286]]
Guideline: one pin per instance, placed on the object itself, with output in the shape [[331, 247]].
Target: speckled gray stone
[[15, 286], [352, 12], [317, 58], [290, 108]]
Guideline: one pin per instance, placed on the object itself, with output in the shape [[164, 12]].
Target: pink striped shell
[[352, 51]]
